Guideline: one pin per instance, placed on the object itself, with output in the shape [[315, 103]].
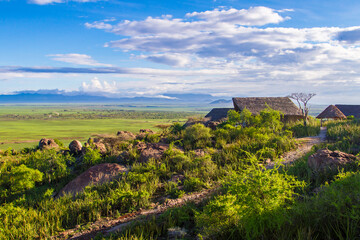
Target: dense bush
[[334, 213], [346, 135], [51, 163], [299, 130], [197, 136], [254, 203]]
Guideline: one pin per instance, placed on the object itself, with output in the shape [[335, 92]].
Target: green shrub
[[192, 184], [299, 130], [334, 213], [19, 179], [90, 158], [51, 163], [197, 136], [254, 204]]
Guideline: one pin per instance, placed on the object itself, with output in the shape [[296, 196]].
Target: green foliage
[[254, 203], [312, 128], [270, 119], [172, 189], [58, 142], [91, 158], [153, 138], [193, 184], [51, 163], [346, 135], [19, 179], [234, 117], [176, 128], [334, 213], [197, 136]]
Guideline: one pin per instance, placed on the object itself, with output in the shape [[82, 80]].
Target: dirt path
[[305, 145], [107, 226]]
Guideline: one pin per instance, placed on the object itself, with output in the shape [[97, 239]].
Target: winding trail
[[305, 145], [107, 226]]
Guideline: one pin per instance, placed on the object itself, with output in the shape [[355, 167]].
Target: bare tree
[[302, 100]]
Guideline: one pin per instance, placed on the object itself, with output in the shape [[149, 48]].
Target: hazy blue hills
[[221, 101], [36, 97]]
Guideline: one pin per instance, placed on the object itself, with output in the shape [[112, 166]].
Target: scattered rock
[[199, 152], [46, 143], [141, 146], [75, 147], [153, 150], [326, 159], [146, 131], [93, 140], [125, 135], [143, 133], [100, 147], [95, 175]]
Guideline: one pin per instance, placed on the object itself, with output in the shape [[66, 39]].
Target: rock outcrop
[[95, 175], [125, 135], [151, 150], [143, 133], [75, 147], [46, 143], [325, 159]]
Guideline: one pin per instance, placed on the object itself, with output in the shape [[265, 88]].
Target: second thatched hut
[[331, 112]]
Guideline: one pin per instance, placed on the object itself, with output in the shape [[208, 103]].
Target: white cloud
[[253, 16], [176, 60], [98, 86], [79, 59]]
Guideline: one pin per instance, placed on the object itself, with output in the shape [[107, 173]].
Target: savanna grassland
[[248, 201], [24, 126]]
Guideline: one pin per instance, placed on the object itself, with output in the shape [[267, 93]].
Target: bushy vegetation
[[312, 127], [251, 203], [345, 134]]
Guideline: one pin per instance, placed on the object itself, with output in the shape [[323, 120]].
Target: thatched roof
[[331, 112], [256, 104], [217, 114], [349, 110]]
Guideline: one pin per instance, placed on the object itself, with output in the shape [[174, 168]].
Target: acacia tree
[[302, 100]]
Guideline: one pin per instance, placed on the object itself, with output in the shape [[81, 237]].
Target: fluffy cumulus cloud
[[96, 85], [250, 48], [79, 59]]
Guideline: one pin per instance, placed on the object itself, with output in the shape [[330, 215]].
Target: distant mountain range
[[221, 101], [79, 97]]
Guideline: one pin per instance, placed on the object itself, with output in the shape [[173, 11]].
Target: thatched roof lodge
[[256, 104], [349, 110], [331, 112], [218, 114]]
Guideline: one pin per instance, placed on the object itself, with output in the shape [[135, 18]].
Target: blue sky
[[151, 48]]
